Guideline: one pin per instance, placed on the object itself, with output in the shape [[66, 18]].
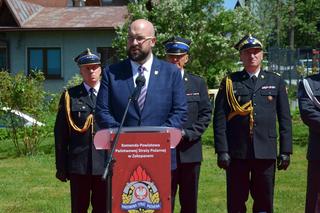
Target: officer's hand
[[184, 135], [223, 160], [283, 161], [61, 176]]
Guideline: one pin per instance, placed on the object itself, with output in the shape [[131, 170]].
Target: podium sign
[[141, 174], [141, 180]]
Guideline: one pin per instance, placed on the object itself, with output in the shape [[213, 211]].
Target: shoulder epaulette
[[275, 73]]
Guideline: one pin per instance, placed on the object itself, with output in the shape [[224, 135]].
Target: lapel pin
[[186, 79], [156, 72], [262, 76]]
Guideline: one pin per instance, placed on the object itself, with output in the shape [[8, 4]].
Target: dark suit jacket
[[75, 152], [199, 115], [165, 103], [270, 102], [310, 115]]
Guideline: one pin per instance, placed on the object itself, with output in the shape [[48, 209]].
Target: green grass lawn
[[27, 184]]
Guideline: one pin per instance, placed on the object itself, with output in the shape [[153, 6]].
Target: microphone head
[[140, 81]]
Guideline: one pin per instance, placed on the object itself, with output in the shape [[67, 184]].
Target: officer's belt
[[236, 109], [310, 93], [87, 124]]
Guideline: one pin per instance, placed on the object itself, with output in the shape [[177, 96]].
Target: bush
[[26, 94]]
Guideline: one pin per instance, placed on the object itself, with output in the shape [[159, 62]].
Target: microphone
[[140, 82]]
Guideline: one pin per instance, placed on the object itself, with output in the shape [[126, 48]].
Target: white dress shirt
[[147, 65]]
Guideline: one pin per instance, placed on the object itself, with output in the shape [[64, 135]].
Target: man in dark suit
[[309, 96], [247, 107], [189, 150], [162, 101], [77, 159]]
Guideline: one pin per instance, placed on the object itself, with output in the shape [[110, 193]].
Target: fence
[[292, 64]]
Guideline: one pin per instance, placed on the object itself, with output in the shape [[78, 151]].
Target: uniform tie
[[143, 93], [254, 80], [93, 96]]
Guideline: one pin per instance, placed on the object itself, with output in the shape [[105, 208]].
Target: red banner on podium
[[141, 174], [141, 180]]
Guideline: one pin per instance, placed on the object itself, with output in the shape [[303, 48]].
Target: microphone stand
[[108, 172]]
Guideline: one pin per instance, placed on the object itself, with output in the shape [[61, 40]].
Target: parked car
[[19, 119], [309, 66]]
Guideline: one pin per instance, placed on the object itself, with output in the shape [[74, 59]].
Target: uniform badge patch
[[192, 94], [268, 87]]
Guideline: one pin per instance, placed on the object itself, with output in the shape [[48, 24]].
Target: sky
[[229, 4]]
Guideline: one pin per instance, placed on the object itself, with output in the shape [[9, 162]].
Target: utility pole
[[247, 3], [278, 22], [292, 15]]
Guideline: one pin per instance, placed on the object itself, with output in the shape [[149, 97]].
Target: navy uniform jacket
[[165, 103], [75, 152], [270, 102], [310, 115], [199, 115]]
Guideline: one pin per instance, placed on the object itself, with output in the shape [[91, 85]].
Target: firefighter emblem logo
[[140, 193]]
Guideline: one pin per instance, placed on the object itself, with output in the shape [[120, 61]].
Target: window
[[104, 2], [46, 60], [4, 62]]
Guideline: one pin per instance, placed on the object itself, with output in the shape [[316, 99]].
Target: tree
[[307, 23], [212, 29], [289, 23]]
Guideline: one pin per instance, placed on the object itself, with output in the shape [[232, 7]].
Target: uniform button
[[254, 95], [255, 124], [255, 113], [254, 104]]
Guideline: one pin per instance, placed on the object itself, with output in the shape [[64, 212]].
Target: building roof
[[31, 16], [79, 17], [22, 10], [50, 3]]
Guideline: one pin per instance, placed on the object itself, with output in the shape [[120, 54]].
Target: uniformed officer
[[189, 150], [77, 159], [246, 109], [309, 97]]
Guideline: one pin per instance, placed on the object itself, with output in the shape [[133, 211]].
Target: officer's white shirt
[[254, 74], [96, 88]]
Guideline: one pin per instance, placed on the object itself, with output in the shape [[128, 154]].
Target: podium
[[141, 177]]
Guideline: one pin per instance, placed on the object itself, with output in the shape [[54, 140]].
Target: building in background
[[46, 35]]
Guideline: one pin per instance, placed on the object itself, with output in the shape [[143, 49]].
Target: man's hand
[[223, 160], [184, 135], [283, 161], [61, 176]]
